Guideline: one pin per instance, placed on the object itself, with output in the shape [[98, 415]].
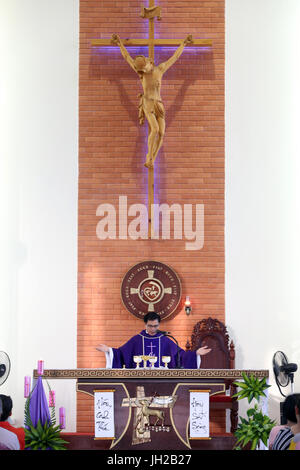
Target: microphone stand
[[178, 365]]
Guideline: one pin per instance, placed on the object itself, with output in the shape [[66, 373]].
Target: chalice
[[137, 360], [152, 360], [166, 360]]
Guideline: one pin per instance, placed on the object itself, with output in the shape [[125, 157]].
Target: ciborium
[[145, 359]]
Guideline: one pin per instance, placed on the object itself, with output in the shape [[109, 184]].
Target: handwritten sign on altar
[[104, 414], [199, 414]]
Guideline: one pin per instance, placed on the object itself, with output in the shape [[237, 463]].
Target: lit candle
[[27, 382], [51, 398], [187, 305], [62, 417], [40, 368]]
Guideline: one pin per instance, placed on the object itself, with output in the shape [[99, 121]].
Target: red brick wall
[[112, 148]]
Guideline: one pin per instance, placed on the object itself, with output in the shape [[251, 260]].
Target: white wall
[[262, 183], [38, 192]]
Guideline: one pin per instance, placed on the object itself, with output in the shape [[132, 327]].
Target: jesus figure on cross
[[151, 104]]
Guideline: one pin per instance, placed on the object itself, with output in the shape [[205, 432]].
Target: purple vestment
[[158, 345]]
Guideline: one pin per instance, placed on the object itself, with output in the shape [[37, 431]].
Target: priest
[[152, 342]]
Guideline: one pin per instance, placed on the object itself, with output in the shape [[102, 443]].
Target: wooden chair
[[213, 333]]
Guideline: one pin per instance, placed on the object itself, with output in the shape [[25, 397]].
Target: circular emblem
[[151, 286]]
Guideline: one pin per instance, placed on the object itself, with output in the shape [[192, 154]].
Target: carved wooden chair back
[[213, 333]]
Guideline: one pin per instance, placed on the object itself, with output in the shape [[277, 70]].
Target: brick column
[[112, 148]]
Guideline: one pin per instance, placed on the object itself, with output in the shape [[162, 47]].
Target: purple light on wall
[[143, 50]]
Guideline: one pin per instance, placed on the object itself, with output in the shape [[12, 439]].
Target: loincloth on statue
[[152, 106]]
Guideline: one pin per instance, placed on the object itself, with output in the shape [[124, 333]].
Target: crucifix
[[150, 105]]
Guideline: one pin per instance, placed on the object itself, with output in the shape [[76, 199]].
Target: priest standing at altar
[[152, 342]]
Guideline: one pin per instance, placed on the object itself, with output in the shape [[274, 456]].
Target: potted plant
[[44, 435], [257, 427]]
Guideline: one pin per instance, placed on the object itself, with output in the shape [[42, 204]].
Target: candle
[[51, 398], [27, 382], [62, 417], [40, 369]]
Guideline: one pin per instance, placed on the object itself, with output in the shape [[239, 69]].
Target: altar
[[160, 397]]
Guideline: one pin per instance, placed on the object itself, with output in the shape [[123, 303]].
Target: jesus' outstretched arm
[[164, 66], [115, 39]]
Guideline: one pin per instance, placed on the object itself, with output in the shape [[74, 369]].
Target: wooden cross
[[151, 13]]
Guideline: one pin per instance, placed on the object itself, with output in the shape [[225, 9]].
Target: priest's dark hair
[[151, 316]]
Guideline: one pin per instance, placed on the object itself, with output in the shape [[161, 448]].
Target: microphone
[[168, 333]]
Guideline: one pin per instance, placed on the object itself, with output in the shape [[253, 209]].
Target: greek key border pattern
[[232, 374]]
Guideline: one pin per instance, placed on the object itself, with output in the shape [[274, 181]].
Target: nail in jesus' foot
[[149, 164]]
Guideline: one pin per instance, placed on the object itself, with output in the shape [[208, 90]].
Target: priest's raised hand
[[103, 348], [203, 351]]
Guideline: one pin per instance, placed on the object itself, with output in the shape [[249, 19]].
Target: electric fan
[[283, 371], [4, 367]]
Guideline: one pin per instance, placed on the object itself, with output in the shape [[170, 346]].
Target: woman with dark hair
[[283, 435], [11, 438]]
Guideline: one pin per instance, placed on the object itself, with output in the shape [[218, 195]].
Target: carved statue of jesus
[[151, 104]]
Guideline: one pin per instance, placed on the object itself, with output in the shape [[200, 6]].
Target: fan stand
[[291, 377]]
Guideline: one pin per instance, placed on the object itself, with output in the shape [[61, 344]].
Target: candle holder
[[62, 417], [40, 367]]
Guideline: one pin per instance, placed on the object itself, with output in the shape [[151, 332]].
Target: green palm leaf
[[258, 426]]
